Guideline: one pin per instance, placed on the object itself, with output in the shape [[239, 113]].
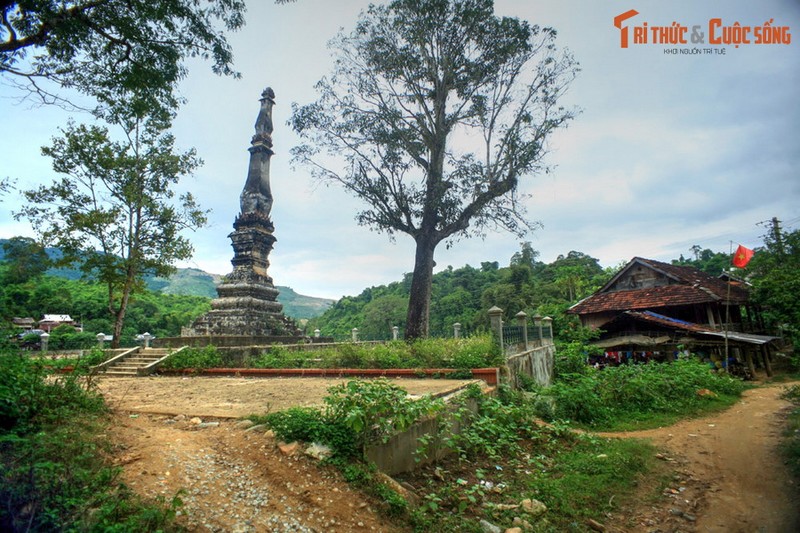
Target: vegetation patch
[[56, 471], [635, 396], [791, 444], [466, 353]]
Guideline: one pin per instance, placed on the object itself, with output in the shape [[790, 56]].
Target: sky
[[676, 145]]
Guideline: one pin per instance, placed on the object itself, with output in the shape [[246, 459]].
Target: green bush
[[634, 391], [65, 337], [53, 472], [194, 358]]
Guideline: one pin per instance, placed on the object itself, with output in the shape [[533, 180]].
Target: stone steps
[[133, 364]]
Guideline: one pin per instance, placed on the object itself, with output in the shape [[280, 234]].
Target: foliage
[[465, 353], [112, 211], [308, 424], [774, 273], [632, 394], [25, 259], [53, 456], [104, 47], [413, 77], [791, 442], [465, 294], [708, 261], [375, 409], [194, 358], [162, 315], [504, 457], [65, 337]]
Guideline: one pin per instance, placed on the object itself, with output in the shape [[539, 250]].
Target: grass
[[577, 477], [791, 442]]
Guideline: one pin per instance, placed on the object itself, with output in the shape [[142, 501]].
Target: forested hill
[[195, 282]]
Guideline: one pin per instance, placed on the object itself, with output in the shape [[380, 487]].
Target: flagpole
[[728, 310]]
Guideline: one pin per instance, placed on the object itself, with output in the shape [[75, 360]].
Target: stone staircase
[[137, 362]]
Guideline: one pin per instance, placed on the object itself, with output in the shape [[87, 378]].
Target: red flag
[[742, 256]]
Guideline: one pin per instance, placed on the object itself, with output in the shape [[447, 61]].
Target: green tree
[[439, 108], [25, 259], [774, 273], [113, 210], [103, 48]]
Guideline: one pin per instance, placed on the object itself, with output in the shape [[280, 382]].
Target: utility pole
[[777, 235]]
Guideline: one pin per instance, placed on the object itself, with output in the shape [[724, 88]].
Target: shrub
[[375, 409], [194, 358]]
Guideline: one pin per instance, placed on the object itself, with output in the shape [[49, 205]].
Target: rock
[[410, 496], [524, 524], [319, 451], [289, 449], [208, 424], [196, 420], [244, 424], [257, 427], [533, 507], [179, 418], [488, 527], [706, 392], [514, 530]]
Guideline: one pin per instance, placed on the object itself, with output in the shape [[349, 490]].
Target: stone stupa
[[247, 299]]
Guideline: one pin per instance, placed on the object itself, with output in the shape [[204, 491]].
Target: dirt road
[[730, 476]]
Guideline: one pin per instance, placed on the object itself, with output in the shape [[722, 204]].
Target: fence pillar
[[496, 322], [44, 338], [537, 323], [395, 333], [548, 323], [316, 333], [355, 334], [457, 330], [522, 322], [101, 337]]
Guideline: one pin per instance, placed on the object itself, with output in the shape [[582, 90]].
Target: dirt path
[[729, 474]]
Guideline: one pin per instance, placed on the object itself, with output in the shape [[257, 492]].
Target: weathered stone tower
[[247, 297]]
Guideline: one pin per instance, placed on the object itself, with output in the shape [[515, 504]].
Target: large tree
[[105, 47], [439, 109], [113, 210]]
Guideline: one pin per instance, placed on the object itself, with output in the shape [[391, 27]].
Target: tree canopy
[[113, 210], [104, 47], [439, 109]]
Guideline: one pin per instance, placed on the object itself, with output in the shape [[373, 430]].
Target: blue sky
[[670, 150]]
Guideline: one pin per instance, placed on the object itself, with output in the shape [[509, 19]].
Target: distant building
[[24, 324], [51, 322]]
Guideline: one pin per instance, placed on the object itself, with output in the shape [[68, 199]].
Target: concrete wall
[[400, 455], [536, 363]]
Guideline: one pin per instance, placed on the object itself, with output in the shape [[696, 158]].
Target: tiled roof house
[[650, 304]]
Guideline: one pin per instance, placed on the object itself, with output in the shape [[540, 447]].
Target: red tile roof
[[693, 287]]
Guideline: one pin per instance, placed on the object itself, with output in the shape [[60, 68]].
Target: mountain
[[192, 281], [195, 282]]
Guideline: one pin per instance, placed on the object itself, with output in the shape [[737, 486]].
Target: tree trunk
[[419, 302]]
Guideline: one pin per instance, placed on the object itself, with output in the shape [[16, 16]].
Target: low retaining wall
[[536, 364], [400, 453]]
